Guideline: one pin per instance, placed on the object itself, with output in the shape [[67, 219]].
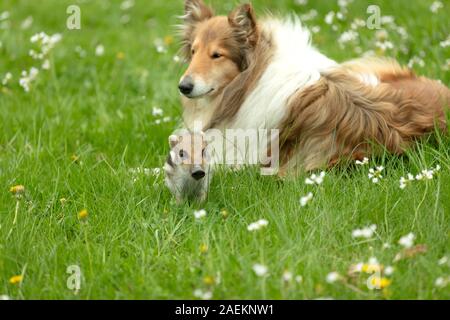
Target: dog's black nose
[[186, 85], [198, 174]]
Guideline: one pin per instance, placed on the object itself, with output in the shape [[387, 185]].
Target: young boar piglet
[[188, 172]]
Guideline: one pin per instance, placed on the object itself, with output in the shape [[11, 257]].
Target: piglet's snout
[[198, 173]]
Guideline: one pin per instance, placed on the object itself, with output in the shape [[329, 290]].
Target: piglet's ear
[[243, 21], [173, 140]]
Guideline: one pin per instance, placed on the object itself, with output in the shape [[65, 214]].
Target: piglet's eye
[[183, 154]]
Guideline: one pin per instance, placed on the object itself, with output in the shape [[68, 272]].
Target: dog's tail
[[422, 102], [339, 115]]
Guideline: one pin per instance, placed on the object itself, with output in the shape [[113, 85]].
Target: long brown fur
[[340, 117]]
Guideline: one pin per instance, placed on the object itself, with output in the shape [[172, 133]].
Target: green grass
[[136, 242]]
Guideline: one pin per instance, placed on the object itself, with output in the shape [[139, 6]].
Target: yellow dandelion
[[224, 213], [17, 190], [16, 279], [371, 268], [203, 248], [75, 158], [168, 40], [83, 214], [380, 283], [120, 55], [208, 280]]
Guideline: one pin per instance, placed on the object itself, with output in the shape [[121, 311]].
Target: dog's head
[[217, 47]]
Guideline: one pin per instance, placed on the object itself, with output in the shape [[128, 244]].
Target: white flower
[[416, 61], [428, 174], [204, 295], [299, 279], [348, 36], [332, 277], [329, 17], [389, 270], [287, 276], [176, 59], [441, 282], [46, 64], [304, 200], [386, 245], [8, 76], [375, 174], [26, 23], [358, 23], [159, 45], [384, 45], [445, 43], [4, 15], [260, 270], [127, 4], [344, 3], [366, 232], [36, 55], [315, 179], [362, 163], [315, 29], [387, 20], [405, 181], [310, 15], [356, 267], [443, 260], [45, 41], [99, 50], [301, 2], [4, 297], [257, 225], [27, 78], [407, 241], [435, 6], [157, 111], [200, 214]]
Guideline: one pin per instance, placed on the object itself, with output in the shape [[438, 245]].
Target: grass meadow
[[94, 123]]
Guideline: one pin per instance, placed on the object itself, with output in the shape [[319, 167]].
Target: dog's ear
[[173, 140], [196, 11], [243, 20]]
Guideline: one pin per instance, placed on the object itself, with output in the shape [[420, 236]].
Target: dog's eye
[[192, 52], [216, 55]]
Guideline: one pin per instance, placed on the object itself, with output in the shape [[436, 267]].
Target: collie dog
[[246, 73]]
